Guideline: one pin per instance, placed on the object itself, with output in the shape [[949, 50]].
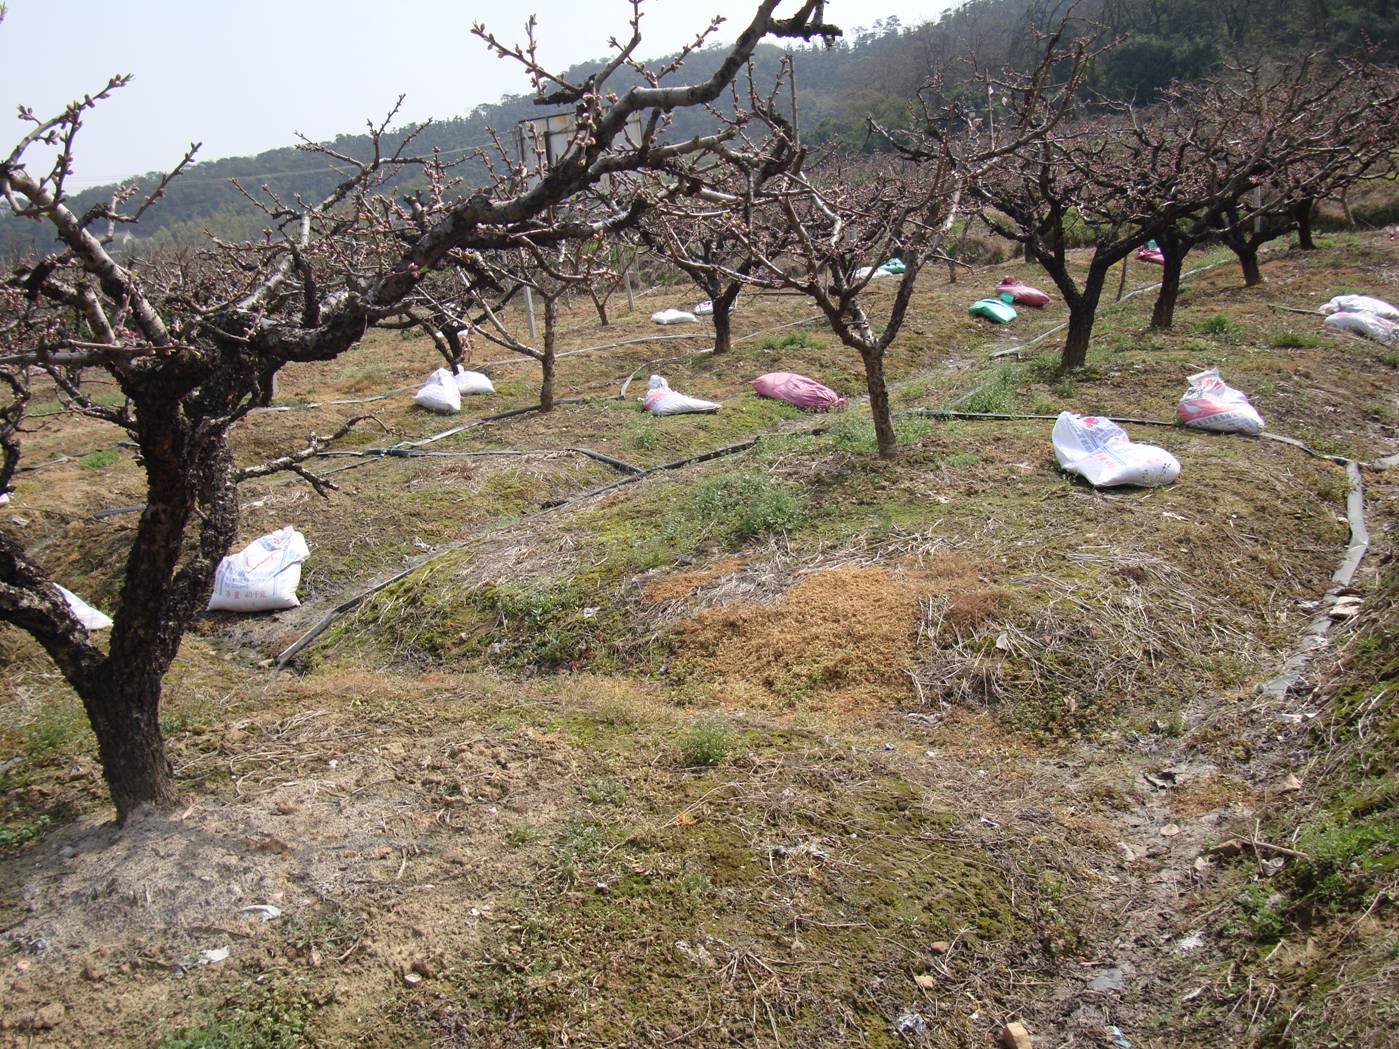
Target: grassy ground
[[794, 747]]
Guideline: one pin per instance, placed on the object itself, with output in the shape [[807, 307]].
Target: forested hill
[[872, 71]]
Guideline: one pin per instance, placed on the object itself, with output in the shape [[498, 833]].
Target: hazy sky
[[242, 77]]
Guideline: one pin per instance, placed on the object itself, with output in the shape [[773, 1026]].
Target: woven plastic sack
[[1212, 404], [662, 400], [439, 393], [703, 309], [473, 382], [797, 389], [1362, 304], [84, 612], [871, 272], [1151, 254], [1022, 294], [895, 267], [1368, 325], [673, 316], [263, 576], [993, 310], [1100, 452]]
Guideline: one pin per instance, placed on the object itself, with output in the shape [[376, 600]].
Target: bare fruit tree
[[192, 354]]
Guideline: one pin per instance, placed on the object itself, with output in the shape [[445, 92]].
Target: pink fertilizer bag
[[1023, 294], [1155, 256], [797, 389]]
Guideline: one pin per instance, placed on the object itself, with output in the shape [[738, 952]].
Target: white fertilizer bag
[[703, 309], [87, 615], [1362, 304], [1369, 325], [263, 576], [870, 271], [662, 400], [439, 393], [473, 382], [1099, 451], [673, 316], [1212, 404]]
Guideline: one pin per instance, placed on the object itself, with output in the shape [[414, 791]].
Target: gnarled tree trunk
[[879, 403], [1164, 312], [723, 321], [1083, 309]]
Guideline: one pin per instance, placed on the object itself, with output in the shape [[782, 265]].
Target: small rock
[[1170, 830], [939, 946], [92, 970], [1345, 608], [927, 981], [1289, 785], [1014, 1036], [313, 959]]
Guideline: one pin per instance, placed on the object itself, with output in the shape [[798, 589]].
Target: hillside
[[788, 747], [873, 71]]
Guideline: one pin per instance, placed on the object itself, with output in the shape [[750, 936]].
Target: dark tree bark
[[547, 360], [1302, 213], [1083, 310], [723, 321], [879, 403], [1173, 247], [1248, 263]]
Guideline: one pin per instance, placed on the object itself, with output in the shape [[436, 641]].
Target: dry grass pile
[[844, 638], [676, 585]]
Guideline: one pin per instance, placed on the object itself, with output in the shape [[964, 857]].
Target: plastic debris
[[910, 1023], [1149, 252], [1362, 304], [797, 389], [997, 311], [662, 400], [1367, 325], [1212, 404], [1118, 1038], [85, 613], [214, 956], [674, 316], [894, 267], [473, 382], [703, 309], [869, 272], [1100, 452], [1022, 294], [265, 911], [263, 576], [439, 393]]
